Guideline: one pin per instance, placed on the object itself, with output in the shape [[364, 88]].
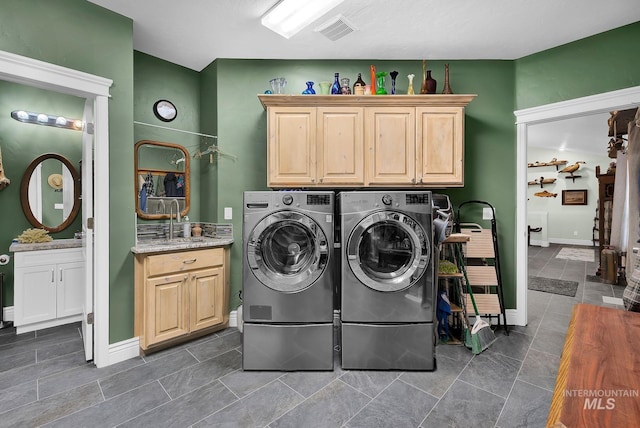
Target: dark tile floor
[[44, 379]]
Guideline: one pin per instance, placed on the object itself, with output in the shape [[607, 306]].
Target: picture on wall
[[574, 197]]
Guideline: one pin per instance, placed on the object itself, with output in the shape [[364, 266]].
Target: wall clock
[[165, 110]]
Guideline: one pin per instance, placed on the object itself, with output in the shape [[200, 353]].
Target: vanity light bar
[[47, 120]]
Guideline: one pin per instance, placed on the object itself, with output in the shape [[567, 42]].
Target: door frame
[[32, 72], [600, 103]]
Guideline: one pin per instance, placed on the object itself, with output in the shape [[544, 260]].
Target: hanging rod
[[174, 129]]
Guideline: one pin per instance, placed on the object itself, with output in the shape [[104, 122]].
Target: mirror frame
[[186, 172], [24, 193]]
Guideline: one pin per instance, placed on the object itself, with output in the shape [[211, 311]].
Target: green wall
[[601, 63], [155, 79], [82, 36], [489, 135]]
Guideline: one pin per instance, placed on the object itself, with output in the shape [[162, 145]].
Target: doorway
[[601, 103], [95, 89]]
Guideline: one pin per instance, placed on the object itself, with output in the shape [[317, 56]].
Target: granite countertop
[[56, 244], [178, 244]]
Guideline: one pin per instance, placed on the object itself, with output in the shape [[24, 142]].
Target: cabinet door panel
[[440, 144], [292, 146], [206, 298], [391, 134], [167, 310], [340, 145], [70, 293], [35, 294]]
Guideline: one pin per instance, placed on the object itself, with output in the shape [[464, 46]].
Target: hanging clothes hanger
[[211, 150]]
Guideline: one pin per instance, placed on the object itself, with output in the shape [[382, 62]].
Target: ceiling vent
[[336, 28]]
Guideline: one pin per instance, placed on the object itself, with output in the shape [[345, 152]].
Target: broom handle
[[466, 279]]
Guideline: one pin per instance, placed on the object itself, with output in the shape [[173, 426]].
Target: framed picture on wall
[[574, 197]]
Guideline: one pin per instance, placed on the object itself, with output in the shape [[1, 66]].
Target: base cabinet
[[180, 295], [48, 288]]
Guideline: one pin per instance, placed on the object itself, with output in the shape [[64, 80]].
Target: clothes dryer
[[387, 280], [288, 280]]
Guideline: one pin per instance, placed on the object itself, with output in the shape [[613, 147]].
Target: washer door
[[388, 251], [287, 251]]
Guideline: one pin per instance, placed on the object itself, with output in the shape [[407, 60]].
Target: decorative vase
[[345, 89], [309, 90], [447, 88], [325, 87], [380, 85], [373, 79], [359, 86], [423, 87], [393, 75], [431, 83], [410, 90], [335, 88], [278, 84]]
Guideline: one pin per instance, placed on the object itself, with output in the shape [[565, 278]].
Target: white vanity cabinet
[[48, 288]]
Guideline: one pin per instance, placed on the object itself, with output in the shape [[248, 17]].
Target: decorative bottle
[[345, 89], [381, 90], [393, 75], [373, 79], [358, 86], [410, 90], [431, 83], [335, 88], [309, 90], [423, 87], [447, 87]]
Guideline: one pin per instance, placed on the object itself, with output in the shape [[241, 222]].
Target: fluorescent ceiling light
[[290, 16]]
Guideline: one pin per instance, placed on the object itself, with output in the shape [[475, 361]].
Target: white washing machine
[[387, 280], [288, 280]]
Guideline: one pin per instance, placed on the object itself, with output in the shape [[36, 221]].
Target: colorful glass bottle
[[358, 86], [335, 88]]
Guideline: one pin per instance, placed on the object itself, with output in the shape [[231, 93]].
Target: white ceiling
[[193, 33]]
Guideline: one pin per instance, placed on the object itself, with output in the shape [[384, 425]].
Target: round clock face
[[165, 110]]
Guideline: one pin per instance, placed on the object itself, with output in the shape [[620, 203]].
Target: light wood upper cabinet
[[365, 141]]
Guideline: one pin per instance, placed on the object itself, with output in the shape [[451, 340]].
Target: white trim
[[7, 313], [233, 319], [124, 350], [605, 102], [32, 72]]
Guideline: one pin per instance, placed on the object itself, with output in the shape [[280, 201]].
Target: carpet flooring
[[555, 286]]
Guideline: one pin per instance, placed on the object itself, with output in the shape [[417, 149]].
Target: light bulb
[[43, 118], [22, 115], [77, 124], [61, 121]]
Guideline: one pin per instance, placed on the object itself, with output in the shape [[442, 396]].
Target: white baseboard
[[7, 313], [233, 318], [124, 350], [582, 242]]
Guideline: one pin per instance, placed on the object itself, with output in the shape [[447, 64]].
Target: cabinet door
[[291, 146], [340, 145], [440, 146], [206, 295], [35, 294], [70, 288], [167, 301], [391, 134]]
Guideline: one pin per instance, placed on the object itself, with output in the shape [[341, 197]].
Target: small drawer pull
[[190, 261]]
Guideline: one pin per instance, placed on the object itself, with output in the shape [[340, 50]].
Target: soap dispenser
[[186, 228]]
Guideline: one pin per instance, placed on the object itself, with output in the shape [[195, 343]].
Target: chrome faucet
[[171, 216], [161, 205]]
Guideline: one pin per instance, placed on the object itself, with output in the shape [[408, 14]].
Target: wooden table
[[598, 383]]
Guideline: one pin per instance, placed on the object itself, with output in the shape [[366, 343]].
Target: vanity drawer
[[184, 260]]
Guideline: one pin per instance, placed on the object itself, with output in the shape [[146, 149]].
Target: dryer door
[[388, 251], [287, 251]]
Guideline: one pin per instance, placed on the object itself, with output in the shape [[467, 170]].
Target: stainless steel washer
[[288, 280], [387, 279]]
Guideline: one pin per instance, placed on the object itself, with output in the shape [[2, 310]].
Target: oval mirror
[[50, 192], [161, 176]]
